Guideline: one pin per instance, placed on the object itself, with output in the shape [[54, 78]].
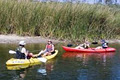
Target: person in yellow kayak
[[21, 52], [85, 45], [48, 50]]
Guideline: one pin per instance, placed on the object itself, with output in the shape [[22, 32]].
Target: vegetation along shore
[[70, 21]]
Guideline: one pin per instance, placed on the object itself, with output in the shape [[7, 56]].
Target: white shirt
[[23, 50]]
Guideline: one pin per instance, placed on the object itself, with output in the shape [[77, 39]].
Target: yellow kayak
[[52, 56], [14, 61], [19, 67]]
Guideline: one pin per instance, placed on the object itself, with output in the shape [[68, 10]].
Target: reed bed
[[59, 20]]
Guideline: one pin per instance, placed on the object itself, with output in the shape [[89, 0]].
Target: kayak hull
[[30, 61], [14, 61], [52, 56], [86, 55], [19, 67], [89, 50]]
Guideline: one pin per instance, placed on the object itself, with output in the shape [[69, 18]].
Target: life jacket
[[104, 45], [49, 47], [20, 55]]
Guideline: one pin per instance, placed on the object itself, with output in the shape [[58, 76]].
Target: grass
[[59, 20]]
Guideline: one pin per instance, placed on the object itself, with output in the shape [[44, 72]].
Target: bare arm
[[45, 48], [52, 48]]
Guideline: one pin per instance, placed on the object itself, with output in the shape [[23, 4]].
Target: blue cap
[[103, 41]]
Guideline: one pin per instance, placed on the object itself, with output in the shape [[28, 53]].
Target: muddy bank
[[27, 39], [15, 39]]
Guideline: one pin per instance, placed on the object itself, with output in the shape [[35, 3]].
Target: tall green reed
[[59, 20]]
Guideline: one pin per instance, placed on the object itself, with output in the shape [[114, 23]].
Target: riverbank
[[30, 39], [15, 39]]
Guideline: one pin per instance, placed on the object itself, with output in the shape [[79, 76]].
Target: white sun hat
[[22, 43]]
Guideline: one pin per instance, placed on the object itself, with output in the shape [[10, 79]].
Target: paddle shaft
[[70, 45]]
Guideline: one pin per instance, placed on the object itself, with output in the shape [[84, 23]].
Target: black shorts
[[53, 52]]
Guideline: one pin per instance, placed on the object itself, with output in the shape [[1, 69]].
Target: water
[[65, 66]]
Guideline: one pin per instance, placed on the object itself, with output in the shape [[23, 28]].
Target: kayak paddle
[[42, 59], [70, 45], [12, 52], [95, 42]]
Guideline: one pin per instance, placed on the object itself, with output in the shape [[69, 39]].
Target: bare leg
[[79, 47], [99, 47], [41, 52], [47, 53]]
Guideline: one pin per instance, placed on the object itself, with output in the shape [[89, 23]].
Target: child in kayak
[[48, 50], [103, 46], [85, 45]]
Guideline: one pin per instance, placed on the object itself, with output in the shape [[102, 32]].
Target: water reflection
[[85, 57], [20, 74], [46, 68], [94, 66]]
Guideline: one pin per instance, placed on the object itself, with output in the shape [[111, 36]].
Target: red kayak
[[89, 50], [87, 55]]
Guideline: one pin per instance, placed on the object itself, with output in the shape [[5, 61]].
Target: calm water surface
[[65, 66]]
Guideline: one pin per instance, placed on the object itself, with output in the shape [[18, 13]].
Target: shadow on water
[[65, 66]]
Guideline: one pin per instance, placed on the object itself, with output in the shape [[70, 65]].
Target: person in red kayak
[[85, 45], [103, 46], [48, 50]]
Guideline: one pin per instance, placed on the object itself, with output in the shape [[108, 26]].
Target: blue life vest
[[104, 45]]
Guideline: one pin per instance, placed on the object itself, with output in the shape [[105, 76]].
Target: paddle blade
[[94, 42], [69, 45], [12, 52], [42, 71], [42, 59]]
